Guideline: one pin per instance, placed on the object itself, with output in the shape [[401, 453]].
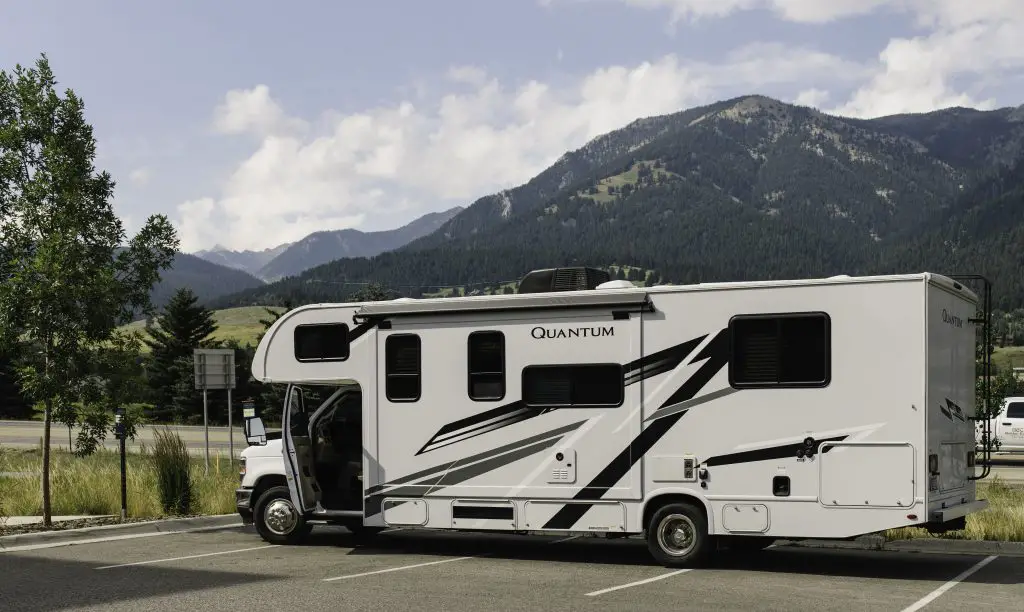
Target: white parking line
[[397, 569], [130, 536], [221, 552], [930, 597], [405, 567], [638, 582]]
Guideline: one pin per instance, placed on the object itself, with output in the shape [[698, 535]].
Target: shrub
[[171, 460]]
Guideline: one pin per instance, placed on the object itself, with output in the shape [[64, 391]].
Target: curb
[[155, 526], [930, 545]]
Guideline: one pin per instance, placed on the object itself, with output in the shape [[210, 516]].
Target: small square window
[[486, 362], [402, 367], [321, 342]]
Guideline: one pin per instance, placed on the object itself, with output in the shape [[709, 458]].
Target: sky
[[254, 123]]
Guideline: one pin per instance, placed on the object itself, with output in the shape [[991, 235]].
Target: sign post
[[119, 431], [214, 369]]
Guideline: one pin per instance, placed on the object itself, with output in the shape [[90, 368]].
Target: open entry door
[[298, 452]]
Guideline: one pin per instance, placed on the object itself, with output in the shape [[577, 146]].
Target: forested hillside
[[749, 188], [207, 280]]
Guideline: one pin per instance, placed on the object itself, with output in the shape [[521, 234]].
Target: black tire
[[277, 520], [677, 536]]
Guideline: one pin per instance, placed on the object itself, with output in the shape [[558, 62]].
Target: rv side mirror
[[255, 432]]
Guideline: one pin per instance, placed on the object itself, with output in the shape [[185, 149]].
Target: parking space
[[232, 568]]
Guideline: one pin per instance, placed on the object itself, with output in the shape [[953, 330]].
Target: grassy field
[[629, 177], [1008, 357], [92, 485], [1002, 521], [241, 324]]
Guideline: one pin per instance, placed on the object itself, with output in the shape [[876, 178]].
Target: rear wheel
[[677, 536], [278, 520]]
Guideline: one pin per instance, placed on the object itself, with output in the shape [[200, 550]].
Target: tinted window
[[1015, 410], [322, 342], [792, 350], [573, 385], [402, 367], [486, 361]]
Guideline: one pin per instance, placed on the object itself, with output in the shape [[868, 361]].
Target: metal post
[[206, 431], [124, 481], [231, 433], [119, 431]]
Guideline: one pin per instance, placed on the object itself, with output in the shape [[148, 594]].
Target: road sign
[[214, 368], [249, 408]]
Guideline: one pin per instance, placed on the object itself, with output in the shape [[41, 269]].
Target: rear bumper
[[944, 515], [243, 500]]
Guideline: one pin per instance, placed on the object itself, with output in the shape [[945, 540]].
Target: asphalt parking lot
[[232, 569]]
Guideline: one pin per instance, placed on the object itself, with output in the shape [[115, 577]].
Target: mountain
[[321, 247], [206, 279], [248, 261], [746, 188]]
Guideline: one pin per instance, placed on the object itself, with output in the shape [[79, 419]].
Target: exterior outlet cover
[[563, 469]]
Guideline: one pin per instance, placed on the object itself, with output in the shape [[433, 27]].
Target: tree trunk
[[47, 416], [47, 520]]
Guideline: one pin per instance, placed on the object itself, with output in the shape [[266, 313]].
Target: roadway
[[29, 434], [231, 569]]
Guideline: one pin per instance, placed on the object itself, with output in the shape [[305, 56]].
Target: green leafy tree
[[68, 279], [373, 292], [184, 325], [115, 383]]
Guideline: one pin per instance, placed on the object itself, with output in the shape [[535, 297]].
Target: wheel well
[[267, 482], [659, 501]]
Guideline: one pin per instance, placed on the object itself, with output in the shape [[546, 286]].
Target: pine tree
[[185, 325]]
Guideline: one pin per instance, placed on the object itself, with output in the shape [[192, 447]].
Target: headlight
[[241, 470]]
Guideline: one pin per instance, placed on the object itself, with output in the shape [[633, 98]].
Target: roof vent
[[617, 284], [563, 279]]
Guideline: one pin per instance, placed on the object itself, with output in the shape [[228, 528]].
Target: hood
[[271, 449]]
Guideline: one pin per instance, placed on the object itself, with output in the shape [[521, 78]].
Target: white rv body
[[883, 406]]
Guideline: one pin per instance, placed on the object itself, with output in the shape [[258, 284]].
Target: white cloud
[[398, 161], [141, 176], [974, 40], [253, 110]]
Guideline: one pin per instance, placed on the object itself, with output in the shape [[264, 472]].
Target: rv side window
[[486, 361], [780, 351], [593, 385], [402, 367], [321, 342]]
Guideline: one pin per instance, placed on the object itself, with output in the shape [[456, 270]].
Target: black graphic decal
[[516, 412], [717, 355], [764, 454], [453, 475], [952, 410]]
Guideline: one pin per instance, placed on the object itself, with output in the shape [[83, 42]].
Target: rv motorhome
[[734, 412]]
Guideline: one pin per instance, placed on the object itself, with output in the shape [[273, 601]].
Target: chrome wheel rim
[[280, 516], [677, 535]]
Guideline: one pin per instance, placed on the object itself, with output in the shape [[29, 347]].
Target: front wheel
[[677, 536], [277, 520]]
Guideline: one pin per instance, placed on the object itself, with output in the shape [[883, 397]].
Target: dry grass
[[1002, 521], [92, 485]]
